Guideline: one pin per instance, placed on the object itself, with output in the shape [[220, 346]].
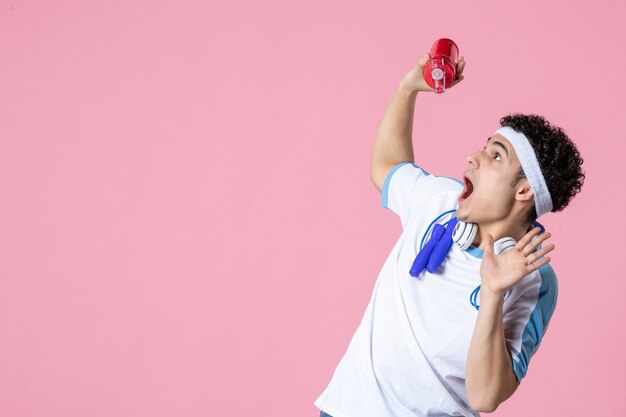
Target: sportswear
[[408, 355]]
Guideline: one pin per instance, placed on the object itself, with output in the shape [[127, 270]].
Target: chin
[[465, 219], [462, 215], [462, 212]]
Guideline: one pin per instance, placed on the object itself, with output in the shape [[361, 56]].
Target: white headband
[[530, 165]]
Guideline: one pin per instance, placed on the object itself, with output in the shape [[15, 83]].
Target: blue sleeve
[[538, 320]]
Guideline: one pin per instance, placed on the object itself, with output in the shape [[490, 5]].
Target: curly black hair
[[558, 158]]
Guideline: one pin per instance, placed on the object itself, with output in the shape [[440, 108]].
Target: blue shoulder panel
[[538, 322]]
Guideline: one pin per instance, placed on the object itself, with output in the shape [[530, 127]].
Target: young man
[[456, 338]]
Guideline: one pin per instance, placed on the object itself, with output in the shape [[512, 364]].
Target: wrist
[[407, 90], [490, 296]]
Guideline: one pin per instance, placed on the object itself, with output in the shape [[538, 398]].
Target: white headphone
[[464, 234]]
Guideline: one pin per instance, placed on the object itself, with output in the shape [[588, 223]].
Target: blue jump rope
[[433, 254]]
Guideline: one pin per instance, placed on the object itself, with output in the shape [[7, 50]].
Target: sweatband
[[530, 165]]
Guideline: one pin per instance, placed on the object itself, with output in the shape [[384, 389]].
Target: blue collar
[[475, 252]]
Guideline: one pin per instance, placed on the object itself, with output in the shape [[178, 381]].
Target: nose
[[472, 159]]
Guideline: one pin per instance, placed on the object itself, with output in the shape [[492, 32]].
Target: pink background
[[188, 226]]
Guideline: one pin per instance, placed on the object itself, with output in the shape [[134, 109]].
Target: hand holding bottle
[[414, 81]]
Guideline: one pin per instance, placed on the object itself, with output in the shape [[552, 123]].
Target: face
[[487, 196]]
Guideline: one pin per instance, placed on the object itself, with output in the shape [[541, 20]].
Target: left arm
[[489, 378]]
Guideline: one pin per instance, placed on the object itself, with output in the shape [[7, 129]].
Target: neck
[[498, 231]]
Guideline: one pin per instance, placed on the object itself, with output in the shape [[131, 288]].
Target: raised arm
[[394, 138], [490, 378]]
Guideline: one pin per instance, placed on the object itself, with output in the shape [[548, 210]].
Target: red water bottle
[[440, 71]]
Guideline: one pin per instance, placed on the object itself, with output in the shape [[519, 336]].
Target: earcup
[[503, 245], [464, 234]]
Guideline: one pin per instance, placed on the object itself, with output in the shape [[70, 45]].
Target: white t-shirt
[[408, 356]]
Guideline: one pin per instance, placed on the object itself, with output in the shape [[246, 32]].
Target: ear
[[523, 192]]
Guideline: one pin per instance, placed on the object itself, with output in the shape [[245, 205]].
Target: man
[[456, 338]]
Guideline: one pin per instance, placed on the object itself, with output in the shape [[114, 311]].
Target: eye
[[497, 157]]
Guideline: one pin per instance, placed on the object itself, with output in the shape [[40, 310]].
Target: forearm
[[489, 376], [394, 138]]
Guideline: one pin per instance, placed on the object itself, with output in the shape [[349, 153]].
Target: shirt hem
[[330, 410]]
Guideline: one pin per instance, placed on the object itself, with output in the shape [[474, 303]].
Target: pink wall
[[188, 226]]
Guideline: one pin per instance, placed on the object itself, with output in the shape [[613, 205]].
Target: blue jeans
[[323, 414]]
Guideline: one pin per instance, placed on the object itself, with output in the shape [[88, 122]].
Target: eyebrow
[[500, 144]]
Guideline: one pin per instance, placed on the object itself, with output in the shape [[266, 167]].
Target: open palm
[[501, 272]]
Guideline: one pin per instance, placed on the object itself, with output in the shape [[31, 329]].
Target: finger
[[534, 243], [535, 266], [537, 255], [422, 62], [527, 238], [460, 66]]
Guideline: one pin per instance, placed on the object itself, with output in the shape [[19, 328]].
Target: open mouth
[[467, 189]]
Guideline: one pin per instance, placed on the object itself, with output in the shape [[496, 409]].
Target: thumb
[[422, 62], [489, 244]]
